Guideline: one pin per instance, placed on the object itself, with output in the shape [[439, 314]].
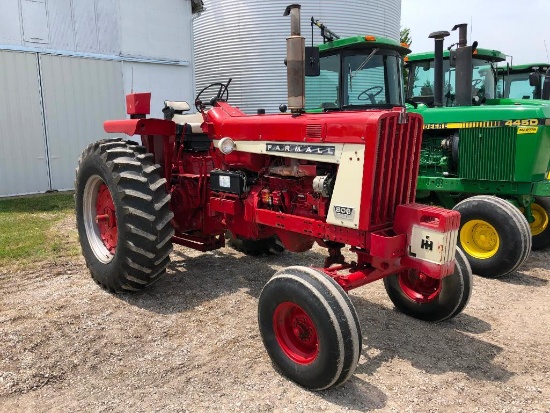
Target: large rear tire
[[123, 216], [309, 328], [430, 299], [494, 235], [540, 227]]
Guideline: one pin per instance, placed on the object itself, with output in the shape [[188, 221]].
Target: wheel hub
[[100, 219], [479, 239], [540, 222], [296, 333], [419, 287], [106, 219]]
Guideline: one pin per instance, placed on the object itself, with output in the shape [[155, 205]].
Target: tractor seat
[[173, 110]]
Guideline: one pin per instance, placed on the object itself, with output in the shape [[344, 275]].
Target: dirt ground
[[191, 343]]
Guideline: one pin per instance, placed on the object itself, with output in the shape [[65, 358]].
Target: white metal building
[[65, 67], [245, 40]]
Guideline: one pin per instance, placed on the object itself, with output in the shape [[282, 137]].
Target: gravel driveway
[[191, 343]]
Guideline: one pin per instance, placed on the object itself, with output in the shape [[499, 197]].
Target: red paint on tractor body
[[273, 201]]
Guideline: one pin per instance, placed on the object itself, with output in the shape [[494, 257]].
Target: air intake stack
[[439, 38]]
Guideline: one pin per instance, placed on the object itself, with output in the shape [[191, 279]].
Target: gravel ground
[[191, 343]]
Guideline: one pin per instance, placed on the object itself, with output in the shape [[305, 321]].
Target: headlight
[[226, 145]]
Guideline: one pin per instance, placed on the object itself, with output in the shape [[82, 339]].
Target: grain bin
[[245, 40]]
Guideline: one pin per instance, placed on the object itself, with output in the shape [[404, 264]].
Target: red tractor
[[338, 177]]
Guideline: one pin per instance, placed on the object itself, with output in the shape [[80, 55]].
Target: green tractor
[[481, 155], [523, 81]]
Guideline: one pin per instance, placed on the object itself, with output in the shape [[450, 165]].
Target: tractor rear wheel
[[123, 216], [309, 328], [431, 299], [255, 247], [540, 227], [494, 235]]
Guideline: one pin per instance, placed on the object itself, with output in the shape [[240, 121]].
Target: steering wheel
[[370, 96], [476, 82], [222, 91]]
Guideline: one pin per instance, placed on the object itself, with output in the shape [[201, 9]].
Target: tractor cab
[[483, 84], [357, 73], [522, 81]]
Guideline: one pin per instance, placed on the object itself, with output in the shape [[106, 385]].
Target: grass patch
[[27, 231]]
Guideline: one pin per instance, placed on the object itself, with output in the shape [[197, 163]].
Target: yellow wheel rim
[[541, 219], [479, 239]]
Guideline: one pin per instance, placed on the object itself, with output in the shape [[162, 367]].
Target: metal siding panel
[[61, 24], [150, 30], [10, 23], [163, 81], [85, 26], [245, 40], [35, 21], [23, 167], [108, 26], [79, 94]]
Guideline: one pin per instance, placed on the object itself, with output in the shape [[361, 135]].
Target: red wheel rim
[[105, 218], [419, 287], [296, 333]]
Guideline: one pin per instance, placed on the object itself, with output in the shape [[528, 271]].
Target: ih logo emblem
[[426, 244], [344, 213]]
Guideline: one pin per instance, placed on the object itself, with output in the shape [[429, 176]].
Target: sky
[[518, 28]]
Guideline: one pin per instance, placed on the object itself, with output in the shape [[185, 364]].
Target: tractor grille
[[396, 170], [487, 153]]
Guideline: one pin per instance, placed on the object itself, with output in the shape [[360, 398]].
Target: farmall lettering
[[298, 148]]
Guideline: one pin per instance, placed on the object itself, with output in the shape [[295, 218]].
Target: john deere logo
[[343, 212]]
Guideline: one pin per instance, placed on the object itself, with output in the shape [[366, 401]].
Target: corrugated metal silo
[[245, 40]]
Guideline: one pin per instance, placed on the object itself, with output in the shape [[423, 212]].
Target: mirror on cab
[[534, 79], [313, 67]]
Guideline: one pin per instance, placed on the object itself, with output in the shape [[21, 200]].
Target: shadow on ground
[[434, 348]]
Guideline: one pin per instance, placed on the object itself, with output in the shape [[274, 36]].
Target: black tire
[[507, 236], [327, 350], [468, 278], [541, 225], [255, 247], [141, 231], [429, 299]]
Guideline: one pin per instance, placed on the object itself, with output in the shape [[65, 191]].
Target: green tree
[[405, 37]]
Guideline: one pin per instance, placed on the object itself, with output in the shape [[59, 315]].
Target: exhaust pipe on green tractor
[[295, 61], [439, 38], [462, 60]]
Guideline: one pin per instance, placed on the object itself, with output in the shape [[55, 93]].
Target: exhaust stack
[[295, 61], [462, 59], [439, 38]]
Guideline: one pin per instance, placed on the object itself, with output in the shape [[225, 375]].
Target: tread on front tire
[[309, 328], [494, 235], [123, 215], [431, 299]]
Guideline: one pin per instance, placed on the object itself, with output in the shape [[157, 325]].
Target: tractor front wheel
[[123, 216], [431, 299], [540, 227], [494, 235], [309, 328]]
